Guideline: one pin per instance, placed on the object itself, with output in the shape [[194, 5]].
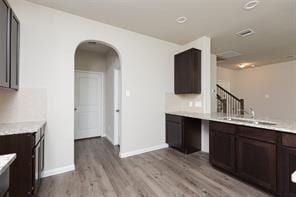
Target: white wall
[[270, 89], [112, 63], [48, 42], [90, 61], [27, 104]]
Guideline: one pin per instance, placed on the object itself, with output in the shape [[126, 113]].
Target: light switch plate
[[128, 93], [197, 104]]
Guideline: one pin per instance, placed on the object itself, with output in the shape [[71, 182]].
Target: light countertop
[[288, 126], [20, 127], [6, 161]]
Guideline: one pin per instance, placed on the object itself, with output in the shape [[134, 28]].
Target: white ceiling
[[274, 22]]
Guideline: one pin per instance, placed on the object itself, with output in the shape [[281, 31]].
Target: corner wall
[[49, 39]]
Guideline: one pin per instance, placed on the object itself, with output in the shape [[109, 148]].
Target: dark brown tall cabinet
[[188, 72], [9, 47]]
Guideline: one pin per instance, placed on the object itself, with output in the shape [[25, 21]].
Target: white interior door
[[88, 104], [116, 107]]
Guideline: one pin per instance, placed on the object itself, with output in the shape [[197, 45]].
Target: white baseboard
[[141, 151], [109, 139], [57, 171]]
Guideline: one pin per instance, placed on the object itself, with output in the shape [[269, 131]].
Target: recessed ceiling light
[[242, 65], [181, 19], [245, 65], [251, 4], [290, 56]]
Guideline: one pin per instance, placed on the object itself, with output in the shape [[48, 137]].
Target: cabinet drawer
[[288, 140], [258, 134], [222, 127], [174, 118]]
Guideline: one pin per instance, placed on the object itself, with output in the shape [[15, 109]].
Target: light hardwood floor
[[166, 172]]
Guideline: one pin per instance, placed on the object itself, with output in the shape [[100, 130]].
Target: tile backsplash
[[24, 105], [188, 102]]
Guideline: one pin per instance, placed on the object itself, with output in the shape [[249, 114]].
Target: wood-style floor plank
[[162, 173]]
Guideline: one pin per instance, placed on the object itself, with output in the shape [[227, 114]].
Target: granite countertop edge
[[6, 161], [14, 128], [287, 126]]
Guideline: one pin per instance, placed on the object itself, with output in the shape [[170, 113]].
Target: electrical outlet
[[197, 104], [190, 104]]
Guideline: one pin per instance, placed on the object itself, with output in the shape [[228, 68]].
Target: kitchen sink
[[250, 121]]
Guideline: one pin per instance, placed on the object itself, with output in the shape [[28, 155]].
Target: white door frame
[[101, 101], [117, 110]]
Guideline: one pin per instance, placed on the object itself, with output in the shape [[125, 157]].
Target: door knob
[[117, 110], [75, 109]]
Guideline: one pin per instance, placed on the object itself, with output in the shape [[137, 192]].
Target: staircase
[[228, 103]]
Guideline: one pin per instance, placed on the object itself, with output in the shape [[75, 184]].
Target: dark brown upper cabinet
[[188, 72], [9, 47]]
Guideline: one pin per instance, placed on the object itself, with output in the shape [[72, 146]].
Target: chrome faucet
[[251, 112]]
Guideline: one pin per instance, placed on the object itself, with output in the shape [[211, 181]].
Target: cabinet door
[[222, 150], [286, 167], [4, 40], [21, 178], [174, 134], [257, 162], [188, 72], [14, 52]]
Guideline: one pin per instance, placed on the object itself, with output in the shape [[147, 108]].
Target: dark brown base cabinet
[[222, 146], [183, 134], [287, 165], [261, 157], [25, 172]]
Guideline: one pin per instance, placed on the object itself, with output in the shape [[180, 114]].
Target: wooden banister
[[229, 103]]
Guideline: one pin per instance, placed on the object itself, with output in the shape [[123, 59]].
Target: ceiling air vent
[[226, 55], [246, 32], [92, 43]]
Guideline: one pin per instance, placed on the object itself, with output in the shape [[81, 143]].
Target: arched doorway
[[97, 92]]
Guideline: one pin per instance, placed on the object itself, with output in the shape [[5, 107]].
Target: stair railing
[[228, 103]]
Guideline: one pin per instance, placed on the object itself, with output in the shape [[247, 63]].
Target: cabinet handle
[[293, 177]]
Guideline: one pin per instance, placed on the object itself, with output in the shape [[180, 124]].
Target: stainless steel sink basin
[[251, 121]]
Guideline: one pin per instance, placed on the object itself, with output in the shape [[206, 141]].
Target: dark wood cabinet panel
[[287, 166], [256, 162], [188, 72], [174, 132], [183, 133], [222, 150], [25, 172], [4, 44], [257, 134], [21, 174], [14, 51]]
